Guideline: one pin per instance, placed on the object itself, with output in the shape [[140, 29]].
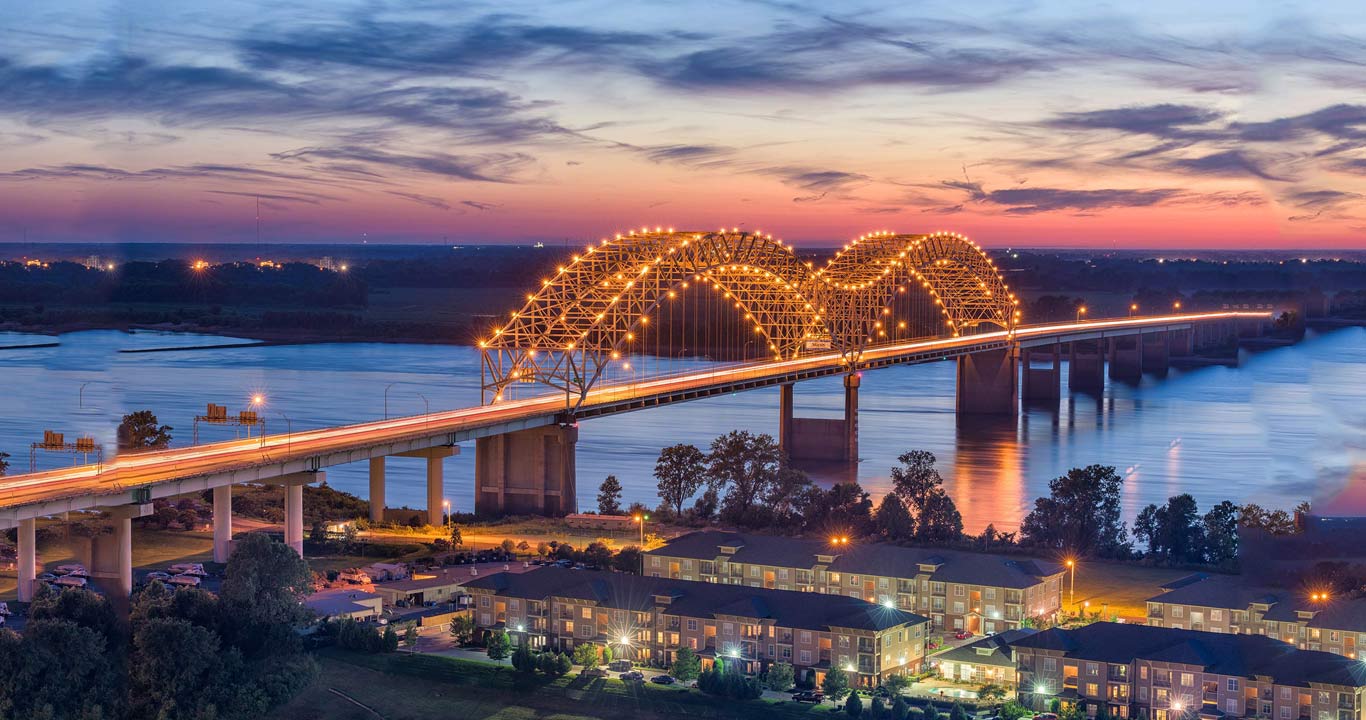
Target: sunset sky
[[1153, 124]]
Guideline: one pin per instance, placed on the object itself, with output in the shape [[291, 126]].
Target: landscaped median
[[486, 685]]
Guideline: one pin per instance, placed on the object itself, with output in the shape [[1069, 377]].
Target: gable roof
[[998, 646], [1219, 653], [1230, 592], [787, 608], [881, 559]]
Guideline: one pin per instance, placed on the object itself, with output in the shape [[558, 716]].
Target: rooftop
[[787, 608], [340, 601], [1235, 593], [990, 650], [1219, 653], [881, 559]]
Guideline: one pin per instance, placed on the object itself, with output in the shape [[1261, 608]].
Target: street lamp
[[1081, 310], [1072, 594], [386, 400], [446, 506], [641, 518], [257, 400], [1176, 305], [1133, 308]]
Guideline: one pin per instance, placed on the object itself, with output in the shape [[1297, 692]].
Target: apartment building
[[1308, 620], [957, 590], [1166, 673], [986, 661], [649, 618]]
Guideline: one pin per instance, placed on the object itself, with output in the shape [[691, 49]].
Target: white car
[[158, 575], [75, 569], [193, 569], [70, 581], [184, 580]]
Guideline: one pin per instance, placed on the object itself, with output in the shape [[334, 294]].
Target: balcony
[[1155, 611], [1159, 681]]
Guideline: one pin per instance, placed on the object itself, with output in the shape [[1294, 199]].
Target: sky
[[1150, 125]]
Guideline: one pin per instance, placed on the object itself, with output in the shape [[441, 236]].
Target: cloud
[[485, 167], [481, 206], [1319, 204], [1232, 163], [310, 199], [817, 180], [1036, 200], [1163, 120], [85, 171], [428, 200], [687, 154]]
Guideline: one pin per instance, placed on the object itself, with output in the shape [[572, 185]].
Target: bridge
[[883, 300]]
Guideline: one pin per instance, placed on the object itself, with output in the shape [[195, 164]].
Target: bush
[[853, 707]]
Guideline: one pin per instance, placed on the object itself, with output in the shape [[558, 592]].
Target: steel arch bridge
[[598, 306]]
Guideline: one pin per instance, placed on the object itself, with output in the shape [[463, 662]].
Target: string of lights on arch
[[667, 298]]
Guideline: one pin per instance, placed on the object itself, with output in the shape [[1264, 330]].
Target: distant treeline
[[1047, 272], [175, 281]]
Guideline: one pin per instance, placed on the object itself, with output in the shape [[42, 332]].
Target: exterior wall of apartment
[[1167, 691], [561, 624], [1348, 642], [951, 606]]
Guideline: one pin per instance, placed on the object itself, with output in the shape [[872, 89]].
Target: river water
[[1286, 425]]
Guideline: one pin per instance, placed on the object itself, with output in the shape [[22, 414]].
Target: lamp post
[[1081, 310], [289, 433], [1133, 308], [427, 416], [1176, 305], [446, 507], [1072, 593], [257, 400], [641, 518], [386, 400]]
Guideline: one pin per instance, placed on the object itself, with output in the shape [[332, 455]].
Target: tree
[[457, 539], [508, 546], [680, 470], [562, 664], [264, 585], [835, 684], [318, 533], [609, 496], [1174, 532], [746, 466], [705, 506], [628, 560], [845, 508], [410, 636], [586, 655], [779, 677], [899, 707], [607, 654], [897, 684], [853, 706], [1102, 711], [686, 665], [1013, 711], [522, 659], [1081, 514], [4, 463], [991, 693], [921, 489], [893, 520], [1221, 533], [877, 710], [462, 629], [499, 646], [1276, 522], [139, 431], [389, 639], [957, 712], [542, 549]]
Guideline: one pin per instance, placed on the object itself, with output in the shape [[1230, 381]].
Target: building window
[[991, 593], [483, 601], [882, 583], [586, 613], [1142, 672], [692, 625], [1187, 680], [1092, 669], [754, 571], [782, 573], [805, 657], [1231, 706], [806, 636], [1233, 684], [959, 591], [1177, 611], [1050, 665], [958, 607], [1092, 690], [654, 561], [844, 642], [1216, 615], [1285, 712], [787, 653], [727, 628], [853, 580]]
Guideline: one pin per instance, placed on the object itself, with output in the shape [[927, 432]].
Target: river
[[1286, 425]]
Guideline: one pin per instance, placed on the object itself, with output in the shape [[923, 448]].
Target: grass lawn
[[400, 686], [1120, 588]]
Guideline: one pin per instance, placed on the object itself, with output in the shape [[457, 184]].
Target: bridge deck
[[188, 469]]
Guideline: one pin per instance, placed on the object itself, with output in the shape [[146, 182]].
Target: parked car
[[194, 569], [183, 581], [619, 665], [962, 635], [663, 680], [808, 696], [1046, 716], [70, 581], [633, 676], [77, 570], [45, 577], [4, 609], [158, 575]]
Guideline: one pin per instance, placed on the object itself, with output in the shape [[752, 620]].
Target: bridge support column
[[1126, 358], [987, 383], [821, 439], [1086, 365], [527, 472], [27, 561], [222, 523], [377, 489], [436, 483], [294, 505], [1183, 342], [1156, 351], [1043, 382], [111, 555]]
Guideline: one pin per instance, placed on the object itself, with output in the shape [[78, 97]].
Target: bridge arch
[[592, 311]]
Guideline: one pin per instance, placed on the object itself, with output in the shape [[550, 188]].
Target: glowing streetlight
[[1176, 305], [1133, 308], [1072, 593], [1081, 310], [446, 506], [888, 604], [641, 518]]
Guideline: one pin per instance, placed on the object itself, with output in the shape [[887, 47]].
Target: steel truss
[[597, 306]]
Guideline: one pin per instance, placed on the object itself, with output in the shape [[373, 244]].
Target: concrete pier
[[1086, 366], [528, 472], [1041, 374], [27, 561], [987, 383], [377, 489], [1126, 358], [436, 483], [294, 505], [222, 523], [820, 439]]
